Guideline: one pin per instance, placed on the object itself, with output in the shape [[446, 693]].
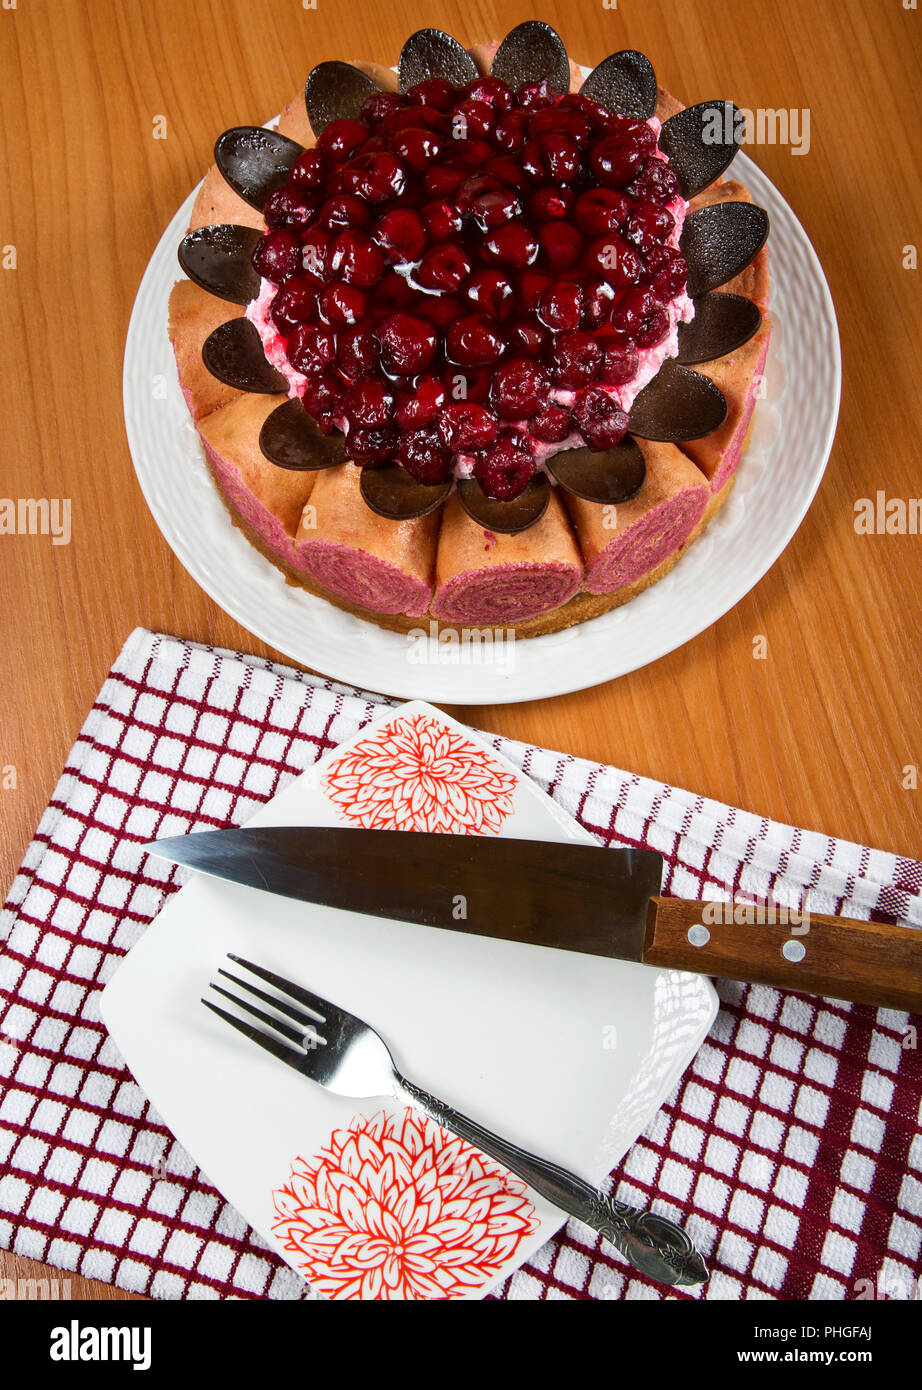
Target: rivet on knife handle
[[651, 1243], [865, 962]]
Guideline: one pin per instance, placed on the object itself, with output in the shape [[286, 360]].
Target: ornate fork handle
[[653, 1244]]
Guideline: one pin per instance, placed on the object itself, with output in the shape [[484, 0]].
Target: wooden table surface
[[820, 733]]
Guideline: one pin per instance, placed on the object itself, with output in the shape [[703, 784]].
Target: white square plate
[[570, 1055]]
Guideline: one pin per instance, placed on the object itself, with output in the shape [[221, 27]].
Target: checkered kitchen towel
[[791, 1147]]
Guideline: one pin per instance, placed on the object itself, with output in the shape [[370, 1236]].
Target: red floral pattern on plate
[[395, 1207], [418, 774]]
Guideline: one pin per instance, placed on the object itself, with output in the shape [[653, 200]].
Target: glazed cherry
[[292, 208], [472, 120], [417, 147], [444, 267], [321, 396], [492, 292], [343, 212], [534, 96], [518, 388], [491, 90], [340, 139], [311, 349], [506, 467], [509, 172], [441, 309], [408, 343], [295, 303], [372, 445], [561, 306], [549, 202], [511, 130], [600, 419], [341, 304], [612, 259], [355, 258], [575, 358], [655, 183], [310, 170], [357, 351], [667, 272], [492, 209], [553, 157], [443, 220], [600, 210], [528, 336], [616, 161], [314, 247], [376, 177], [597, 301], [619, 363], [424, 456], [435, 91], [424, 406], [401, 235], [647, 224], [379, 105], [512, 245], [639, 313], [561, 244], [277, 256], [551, 423], [367, 403], [465, 426], [474, 341], [442, 181], [559, 120]]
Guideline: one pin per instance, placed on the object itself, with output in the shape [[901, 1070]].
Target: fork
[[348, 1057]]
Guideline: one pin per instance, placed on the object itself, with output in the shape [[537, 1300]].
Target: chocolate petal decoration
[[531, 51], [719, 241], [292, 439], [625, 84], [700, 142], [722, 323], [678, 404], [334, 91], [433, 53], [614, 475], [505, 517], [392, 492], [219, 259], [234, 354], [255, 162]]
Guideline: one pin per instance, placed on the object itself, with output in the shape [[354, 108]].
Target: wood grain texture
[[818, 733], [869, 963]]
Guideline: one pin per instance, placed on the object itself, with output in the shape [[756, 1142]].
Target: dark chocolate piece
[[610, 476], [722, 323], [625, 84], [531, 51], [505, 517], [335, 90], [700, 142], [719, 241], [433, 53], [255, 162], [292, 439], [234, 354], [678, 404], [219, 259], [392, 492]]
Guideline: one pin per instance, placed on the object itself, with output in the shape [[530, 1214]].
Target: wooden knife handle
[[867, 962]]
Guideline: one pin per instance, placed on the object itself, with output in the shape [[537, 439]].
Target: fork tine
[[323, 1008], [279, 1050], [296, 1036], [283, 1006]]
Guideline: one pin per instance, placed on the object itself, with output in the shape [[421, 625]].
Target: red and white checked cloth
[[791, 1146]]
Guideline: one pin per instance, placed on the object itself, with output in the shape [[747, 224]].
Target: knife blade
[[569, 896]]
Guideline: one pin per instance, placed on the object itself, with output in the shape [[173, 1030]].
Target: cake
[[477, 341]]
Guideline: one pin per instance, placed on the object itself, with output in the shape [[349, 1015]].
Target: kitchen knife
[[570, 896]]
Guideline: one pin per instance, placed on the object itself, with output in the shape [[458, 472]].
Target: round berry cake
[[477, 340]]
